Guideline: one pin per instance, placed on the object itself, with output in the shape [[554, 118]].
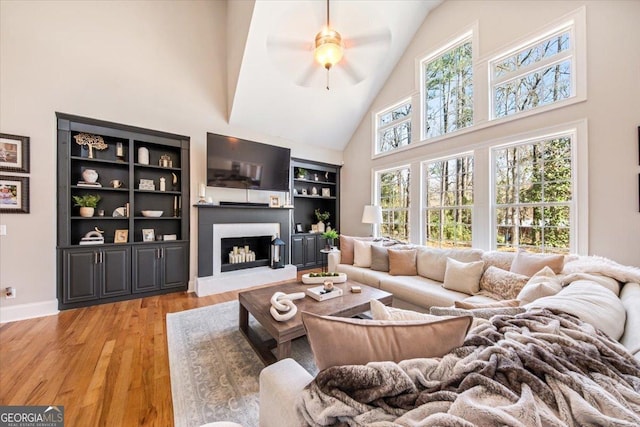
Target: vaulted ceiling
[[276, 88]]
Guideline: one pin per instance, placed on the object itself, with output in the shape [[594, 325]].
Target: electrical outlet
[[10, 292]]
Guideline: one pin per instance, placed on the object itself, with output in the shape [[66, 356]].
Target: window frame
[[378, 130], [377, 174], [424, 168], [575, 23], [578, 220]]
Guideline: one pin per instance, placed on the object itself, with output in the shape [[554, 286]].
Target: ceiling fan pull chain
[[327, 79]]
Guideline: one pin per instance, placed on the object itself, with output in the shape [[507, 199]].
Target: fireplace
[[237, 253], [221, 228]]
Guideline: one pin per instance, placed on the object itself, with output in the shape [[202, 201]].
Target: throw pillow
[[402, 262], [543, 284], [432, 263], [339, 341], [483, 313], [529, 264], [498, 259], [346, 248], [591, 303], [612, 284], [497, 304], [379, 311], [361, 253], [379, 258], [463, 276], [501, 284]]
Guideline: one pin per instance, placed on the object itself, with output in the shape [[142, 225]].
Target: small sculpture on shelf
[[93, 237], [91, 141]]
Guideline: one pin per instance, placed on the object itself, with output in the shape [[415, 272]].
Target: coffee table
[[257, 302]]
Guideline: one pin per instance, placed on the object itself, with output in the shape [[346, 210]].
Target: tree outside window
[[393, 127]]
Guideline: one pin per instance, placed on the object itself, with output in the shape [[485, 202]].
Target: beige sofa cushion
[[591, 303], [402, 262], [379, 311], [495, 304], [346, 247], [339, 341], [463, 276], [362, 253], [432, 262], [543, 284], [528, 264], [501, 284], [612, 284], [498, 259]]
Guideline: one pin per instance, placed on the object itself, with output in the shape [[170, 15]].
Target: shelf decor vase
[[320, 225], [86, 212], [143, 156], [89, 175]]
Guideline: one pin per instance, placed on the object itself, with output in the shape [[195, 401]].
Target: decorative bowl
[[308, 280], [152, 213]]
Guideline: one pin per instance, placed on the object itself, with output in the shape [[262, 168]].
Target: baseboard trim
[[32, 310]]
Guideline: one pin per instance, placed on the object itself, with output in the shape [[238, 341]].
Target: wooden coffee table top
[[257, 302]]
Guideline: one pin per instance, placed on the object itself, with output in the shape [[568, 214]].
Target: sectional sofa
[[598, 291]]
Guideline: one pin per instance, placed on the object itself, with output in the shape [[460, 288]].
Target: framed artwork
[[14, 153], [298, 227], [314, 228], [326, 192], [14, 194], [148, 235], [274, 202], [121, 236]]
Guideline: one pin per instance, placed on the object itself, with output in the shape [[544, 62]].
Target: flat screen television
[[238, 163]]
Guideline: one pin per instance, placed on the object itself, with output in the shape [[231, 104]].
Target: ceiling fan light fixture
[[329, 49]]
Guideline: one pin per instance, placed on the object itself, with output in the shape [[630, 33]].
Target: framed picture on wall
[[14, 153], [298, 227], [14, 194], [274, 202]]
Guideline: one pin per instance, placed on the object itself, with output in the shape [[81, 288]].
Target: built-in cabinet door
[[115, 271], [297, 251], [173, 264], [310, 251], [146, 268], [79, 275]]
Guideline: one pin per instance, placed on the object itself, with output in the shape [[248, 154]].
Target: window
[[448, 202], [393, 127], [393, 197], [448, 90], [537, 75], [534, 200]]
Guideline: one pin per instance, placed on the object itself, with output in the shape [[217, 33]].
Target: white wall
[[612, 110], [159, 65]]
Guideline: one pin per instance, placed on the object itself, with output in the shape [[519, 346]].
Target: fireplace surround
[[217, 222]]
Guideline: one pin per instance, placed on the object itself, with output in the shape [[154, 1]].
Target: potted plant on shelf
[[87, 203], [301, 173], [330, 235], [322, 217]]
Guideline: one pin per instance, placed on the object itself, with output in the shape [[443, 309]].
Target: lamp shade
[[372, 214]]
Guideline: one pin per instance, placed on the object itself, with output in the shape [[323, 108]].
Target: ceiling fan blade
[[351, 72], [378, 37], [305, 78], [288, 44]]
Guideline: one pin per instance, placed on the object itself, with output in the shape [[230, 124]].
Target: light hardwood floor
[[107, 365]]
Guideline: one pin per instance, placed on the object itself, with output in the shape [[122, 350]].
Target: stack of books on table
[[88, 184]]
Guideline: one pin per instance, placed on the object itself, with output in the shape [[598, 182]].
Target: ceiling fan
[[331, 51]]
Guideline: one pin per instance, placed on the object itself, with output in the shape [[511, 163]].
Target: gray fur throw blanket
[[538, 368]]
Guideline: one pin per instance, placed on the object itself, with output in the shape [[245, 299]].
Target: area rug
[[214, 370]]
